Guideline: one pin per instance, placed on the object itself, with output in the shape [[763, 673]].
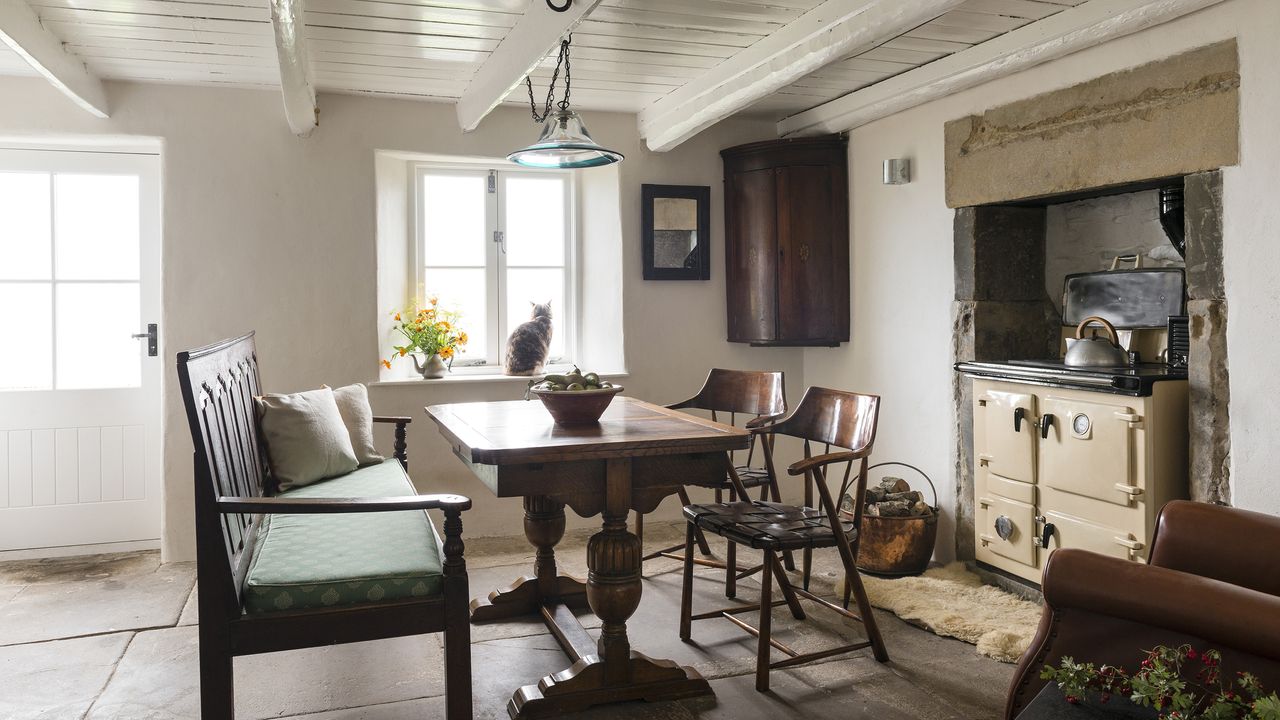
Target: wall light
[[897, 171]]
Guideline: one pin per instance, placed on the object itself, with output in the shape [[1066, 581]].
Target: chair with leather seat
[[834, 419], [759, 398]]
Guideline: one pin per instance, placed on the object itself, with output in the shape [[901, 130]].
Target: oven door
[[1090, 447], [1008, 529], [1074, 532], [1006, 424]]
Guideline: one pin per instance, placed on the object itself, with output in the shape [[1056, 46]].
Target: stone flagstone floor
[[114, 636]]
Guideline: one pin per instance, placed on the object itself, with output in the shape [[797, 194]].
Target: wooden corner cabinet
[[787, 242]]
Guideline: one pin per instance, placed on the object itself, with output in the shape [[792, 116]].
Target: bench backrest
[[219, 383]]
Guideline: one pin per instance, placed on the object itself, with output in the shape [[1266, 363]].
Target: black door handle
[[1046, 422], [1019, 414], [1046, 535]]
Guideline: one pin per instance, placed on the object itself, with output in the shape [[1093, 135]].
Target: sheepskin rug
[[952, 602]]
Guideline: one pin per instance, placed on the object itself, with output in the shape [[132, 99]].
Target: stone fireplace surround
[[1098, 143]]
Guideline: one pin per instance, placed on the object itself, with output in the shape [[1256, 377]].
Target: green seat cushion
[[313, 561]]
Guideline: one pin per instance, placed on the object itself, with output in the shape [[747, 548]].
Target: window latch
[[500, 238], [493, 181]]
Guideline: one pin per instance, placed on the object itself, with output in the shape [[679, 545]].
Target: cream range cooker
[[1075, 457]]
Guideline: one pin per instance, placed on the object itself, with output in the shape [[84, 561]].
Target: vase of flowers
[[432, 333]]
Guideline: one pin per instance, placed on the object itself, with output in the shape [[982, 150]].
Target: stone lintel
[[1165, 119]]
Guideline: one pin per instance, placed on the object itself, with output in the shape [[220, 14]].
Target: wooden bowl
[[577, 407]]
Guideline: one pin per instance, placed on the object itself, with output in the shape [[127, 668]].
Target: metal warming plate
[[1136, 380]]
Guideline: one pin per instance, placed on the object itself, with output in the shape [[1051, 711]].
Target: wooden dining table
[[635, 456]]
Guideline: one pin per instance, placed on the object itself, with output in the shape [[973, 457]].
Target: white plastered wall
[[266, 231]]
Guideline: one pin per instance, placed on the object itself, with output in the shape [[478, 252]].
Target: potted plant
[[1179, 683], [432, 333]]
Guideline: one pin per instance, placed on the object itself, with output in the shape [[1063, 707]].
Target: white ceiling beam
[[1084, 26], [830, 32], [535, 34], [21, 30], [296, 81]]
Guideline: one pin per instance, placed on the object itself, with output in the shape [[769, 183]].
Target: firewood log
[[895, 485]]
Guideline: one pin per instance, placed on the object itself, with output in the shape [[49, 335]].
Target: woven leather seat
[[752, 477], [768, 526]]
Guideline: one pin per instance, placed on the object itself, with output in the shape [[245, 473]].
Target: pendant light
[[564, 141]]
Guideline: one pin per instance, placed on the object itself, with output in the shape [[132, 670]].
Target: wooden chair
[[835, 419], [760, 396], [233, 517]]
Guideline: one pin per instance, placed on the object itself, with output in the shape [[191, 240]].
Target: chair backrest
[[749, 392], [835, 418], [219, 383]]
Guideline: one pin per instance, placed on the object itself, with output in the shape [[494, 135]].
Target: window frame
[[496, 175]]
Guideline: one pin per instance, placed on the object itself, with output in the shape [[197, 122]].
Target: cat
[[529, 344]]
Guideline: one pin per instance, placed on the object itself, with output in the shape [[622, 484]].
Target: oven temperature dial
[[1081, 424]]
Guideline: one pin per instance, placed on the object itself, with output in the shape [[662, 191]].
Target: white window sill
[[451, 378]]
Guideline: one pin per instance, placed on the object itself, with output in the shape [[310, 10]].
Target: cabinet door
[[750, 252], [1008, 434], [1089, 450], [807, 298]]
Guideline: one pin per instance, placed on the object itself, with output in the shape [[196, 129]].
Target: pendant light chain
[[561, 59]]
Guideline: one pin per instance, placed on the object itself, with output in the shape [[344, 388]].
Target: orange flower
[[443, 325], [387, 363], [434, 300], [462, 338], [397, 317], [402, 352], [446, 352]]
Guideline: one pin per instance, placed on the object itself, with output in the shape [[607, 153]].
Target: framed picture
[[676, 231]]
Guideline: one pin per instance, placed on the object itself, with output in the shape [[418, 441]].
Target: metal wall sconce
[[897, 171]]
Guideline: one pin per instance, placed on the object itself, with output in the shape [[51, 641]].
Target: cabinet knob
[[804, 252]]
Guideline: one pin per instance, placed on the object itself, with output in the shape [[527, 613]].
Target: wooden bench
[[311, 566]]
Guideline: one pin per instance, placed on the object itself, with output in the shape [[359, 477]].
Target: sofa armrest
[[401, 446], [293, 505], [1107, 610]]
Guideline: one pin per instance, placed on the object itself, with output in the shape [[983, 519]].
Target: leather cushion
[[306, 561]]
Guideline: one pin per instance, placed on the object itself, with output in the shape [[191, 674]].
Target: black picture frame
[[698, 261]]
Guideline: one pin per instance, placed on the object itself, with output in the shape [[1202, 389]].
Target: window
[[490, 244], [70, 289]]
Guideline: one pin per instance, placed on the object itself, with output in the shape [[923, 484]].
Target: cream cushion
[[305, 437], [357, 415]]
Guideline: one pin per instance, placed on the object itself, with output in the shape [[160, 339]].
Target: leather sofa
[[1213, 580]]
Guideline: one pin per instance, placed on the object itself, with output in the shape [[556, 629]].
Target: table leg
[[544, 527], [616, 673]]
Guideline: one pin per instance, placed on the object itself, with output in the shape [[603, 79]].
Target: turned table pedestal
[[638, 454]]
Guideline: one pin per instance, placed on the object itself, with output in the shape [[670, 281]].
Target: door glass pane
[[453, 219], [463, 291], [526, 286], [26, 324], [535, 220], [94, 323], [96, 226], [24, 227]]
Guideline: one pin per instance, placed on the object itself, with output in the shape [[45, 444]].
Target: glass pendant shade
[[564, 143]]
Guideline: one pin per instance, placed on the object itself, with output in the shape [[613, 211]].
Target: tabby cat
[[529, 344]]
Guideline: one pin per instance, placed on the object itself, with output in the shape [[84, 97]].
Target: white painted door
[[79, 396]]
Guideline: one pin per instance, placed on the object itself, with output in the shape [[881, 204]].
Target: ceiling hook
[[559, 8]]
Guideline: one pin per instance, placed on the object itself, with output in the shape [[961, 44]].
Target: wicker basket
[[898, 545]]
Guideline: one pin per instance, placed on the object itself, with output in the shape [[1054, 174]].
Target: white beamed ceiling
[[626, 54]]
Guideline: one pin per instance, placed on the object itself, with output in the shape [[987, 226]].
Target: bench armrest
[[817, 461], [401, 447], [289, 505]]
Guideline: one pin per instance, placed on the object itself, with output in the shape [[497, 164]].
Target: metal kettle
[[1094, 351]]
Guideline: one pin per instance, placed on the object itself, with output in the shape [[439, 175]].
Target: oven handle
[[1019, 414], [1046, 422]]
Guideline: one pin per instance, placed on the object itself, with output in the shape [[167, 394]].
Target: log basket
[[898, 545]]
